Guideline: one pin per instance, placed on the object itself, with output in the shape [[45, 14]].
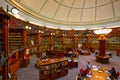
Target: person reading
[[89, 66], [78, 77], [113, 73]]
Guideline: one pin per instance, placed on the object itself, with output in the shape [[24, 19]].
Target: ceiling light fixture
[[13, 10], [102, 31]]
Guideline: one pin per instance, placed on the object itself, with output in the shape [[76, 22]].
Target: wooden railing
[[4, 59], [14, 62], [14, 67]]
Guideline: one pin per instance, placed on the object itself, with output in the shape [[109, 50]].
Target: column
[[88, 41], [102, 58], [24, 38], [24, 61], [38, 42], [75, 42], [51, 42], [5, 19], [63, 42], [102, 44]]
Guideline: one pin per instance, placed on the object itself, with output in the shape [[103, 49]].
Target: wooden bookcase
[[45, 43], [57, 43], [32, 43], [15, 39], [52, 70], [69, 42]]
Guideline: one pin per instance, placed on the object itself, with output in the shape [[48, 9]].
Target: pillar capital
[[102, 37]]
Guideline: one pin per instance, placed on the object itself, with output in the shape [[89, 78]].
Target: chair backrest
[[81, 70], [118, 73]]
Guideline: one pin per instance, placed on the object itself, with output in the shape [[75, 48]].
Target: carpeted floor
[[31, 73]]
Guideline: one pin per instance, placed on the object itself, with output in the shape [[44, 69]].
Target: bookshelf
[[69, 42], [15, 39], [32, 43], [45, 43], [52, 69], [57, 43]]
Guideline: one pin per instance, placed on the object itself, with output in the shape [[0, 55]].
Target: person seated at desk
[[44, 59], [113, 73], [81, 51], [89, 66], [96, 52], [87, 70], [73, 55], [77, 54], [108, 53], [76, 62], [92, 50], [71, 63], [69, 53], [78, 77]]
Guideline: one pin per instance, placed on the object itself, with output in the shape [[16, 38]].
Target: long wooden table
[[98, 74]]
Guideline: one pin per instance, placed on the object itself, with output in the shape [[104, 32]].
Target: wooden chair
[[118, 73], [72, 64]]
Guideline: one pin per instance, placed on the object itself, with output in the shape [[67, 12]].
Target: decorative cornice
[[49, 20]]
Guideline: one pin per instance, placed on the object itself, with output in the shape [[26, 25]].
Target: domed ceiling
[[72, 14]]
